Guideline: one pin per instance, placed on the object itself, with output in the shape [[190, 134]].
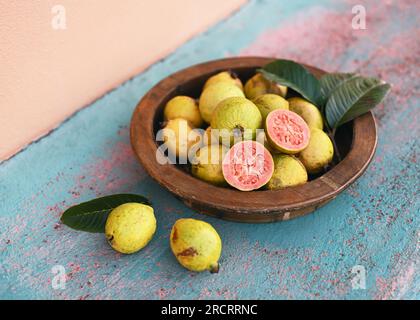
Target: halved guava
[[248, 166], [287, 131]]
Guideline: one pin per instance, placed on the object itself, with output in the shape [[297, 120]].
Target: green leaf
[[295, 76], [353, 98], [91, 216], [331, 81]]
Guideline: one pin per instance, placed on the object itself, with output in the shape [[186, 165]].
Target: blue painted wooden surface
[[374, 223]]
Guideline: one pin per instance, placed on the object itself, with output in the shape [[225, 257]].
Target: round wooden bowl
[[356, 141]]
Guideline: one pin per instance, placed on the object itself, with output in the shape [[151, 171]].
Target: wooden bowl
[[356, 140]]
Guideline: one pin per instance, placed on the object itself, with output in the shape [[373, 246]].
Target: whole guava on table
[[287, 131], [196, 245], [130, 226], [248, 165]]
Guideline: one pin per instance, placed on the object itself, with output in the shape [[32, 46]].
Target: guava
[[307, 111], [269, 102], [287, 131], [248, 165], [185, 108], [258, 85], [212, 95], [180, 138], [237, 119], [288, 172], [196, 245], [130, 226], [319, 152], [224, 76], [210, 137], [262, 138], [207, 164]]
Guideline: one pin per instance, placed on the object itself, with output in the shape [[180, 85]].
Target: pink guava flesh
[[248, 166], [287, 131]]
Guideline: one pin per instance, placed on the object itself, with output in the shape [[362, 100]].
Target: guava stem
[[214, 268]]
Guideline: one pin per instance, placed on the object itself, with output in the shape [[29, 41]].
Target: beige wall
[[47, 74]]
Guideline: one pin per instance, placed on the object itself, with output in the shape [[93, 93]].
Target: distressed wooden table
[[374, 224]]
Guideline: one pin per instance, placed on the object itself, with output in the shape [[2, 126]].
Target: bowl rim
[[194, 191]]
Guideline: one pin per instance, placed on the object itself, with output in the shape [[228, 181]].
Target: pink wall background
[[48, 74]]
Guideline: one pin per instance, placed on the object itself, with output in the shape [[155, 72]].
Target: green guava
[[248, 166], [262, 138], [258, 85], [318, 153], [224, 76], [183, 107], [288, 172], [307, 111], [207, 164], [180, 138], [196, 245], [237, 119], [209, 137], [269, 102], [212, 95], [286, 131], [130, 226]]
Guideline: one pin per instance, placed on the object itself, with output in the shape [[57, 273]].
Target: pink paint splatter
[[315, 268], [164, 293], [397, 286], [318, 45]]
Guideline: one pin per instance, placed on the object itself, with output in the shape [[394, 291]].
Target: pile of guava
[[248, 137]]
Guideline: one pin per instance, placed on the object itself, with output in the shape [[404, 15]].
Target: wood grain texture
[[258, 206], [374, 223]]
